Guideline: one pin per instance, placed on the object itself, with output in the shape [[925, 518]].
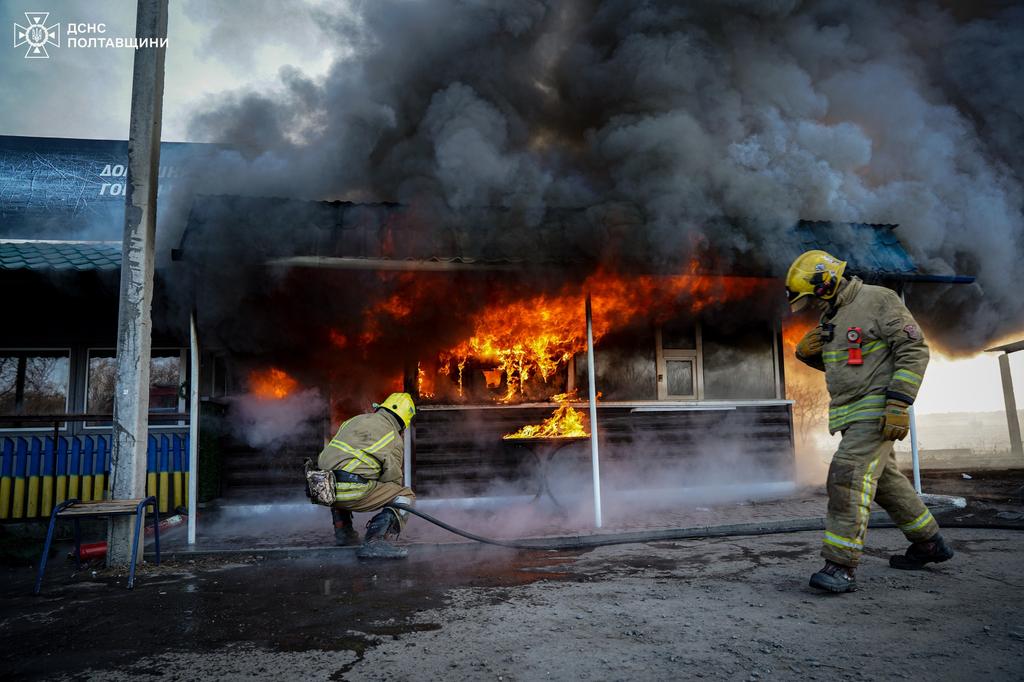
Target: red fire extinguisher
[[854, 336]]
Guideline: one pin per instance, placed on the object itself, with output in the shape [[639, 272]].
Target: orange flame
[[534, 337], [521, 340], [794, 328], [565, 422], [424, 382], [271, 384]]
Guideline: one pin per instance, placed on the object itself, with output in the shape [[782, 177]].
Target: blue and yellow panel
[[6, 476], [34, 478]]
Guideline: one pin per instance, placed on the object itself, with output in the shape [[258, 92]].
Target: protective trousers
[[378, 496], [864, 469]]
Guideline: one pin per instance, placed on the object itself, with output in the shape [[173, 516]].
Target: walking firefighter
[[874, 357]]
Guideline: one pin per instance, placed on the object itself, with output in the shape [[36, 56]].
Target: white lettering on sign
[[75, 29], [166, 175], [112, 189]]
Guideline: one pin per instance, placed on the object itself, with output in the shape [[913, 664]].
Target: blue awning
[[50, 255]]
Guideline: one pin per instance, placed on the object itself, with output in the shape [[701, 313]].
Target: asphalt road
[[729, 608]]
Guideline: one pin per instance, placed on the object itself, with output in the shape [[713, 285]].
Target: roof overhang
[[53, 255], [1007, 347]]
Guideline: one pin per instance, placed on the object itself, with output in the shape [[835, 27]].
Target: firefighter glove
[[810, 345], [896, 422]]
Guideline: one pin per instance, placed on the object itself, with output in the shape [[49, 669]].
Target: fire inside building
[[308, 311]]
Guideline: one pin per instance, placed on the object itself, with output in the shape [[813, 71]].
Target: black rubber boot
[[379, 531], [835, 578], [345, 534], [934, 550]]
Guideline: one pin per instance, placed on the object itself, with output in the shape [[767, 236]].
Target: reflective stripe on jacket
[[368, 445], [893, 351]]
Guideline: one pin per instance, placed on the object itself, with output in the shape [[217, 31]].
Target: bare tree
[[810, 410], [806, 388]]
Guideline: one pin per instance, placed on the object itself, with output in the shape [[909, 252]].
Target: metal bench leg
[[139, 512], [78, 545], [156, 531], [49, 539]]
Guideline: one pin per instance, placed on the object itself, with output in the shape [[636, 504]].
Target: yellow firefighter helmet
[[399, 404], [813, 273]]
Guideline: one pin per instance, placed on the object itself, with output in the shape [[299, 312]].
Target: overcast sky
[[218, 45], [212, 46]]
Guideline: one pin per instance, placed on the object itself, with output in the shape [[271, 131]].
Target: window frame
[[696, 356], [42, 426], [664, 355], [182, 353]]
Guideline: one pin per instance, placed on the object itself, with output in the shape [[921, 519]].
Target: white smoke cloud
[[264, 423]]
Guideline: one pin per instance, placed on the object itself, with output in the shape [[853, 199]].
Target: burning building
[[480, 315], [309, 311], [540, 153]]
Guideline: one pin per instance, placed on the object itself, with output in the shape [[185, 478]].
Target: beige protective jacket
[[893, 349], [369, 445]]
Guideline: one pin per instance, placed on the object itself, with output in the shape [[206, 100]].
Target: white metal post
[[595, 463], [915, 455], [193, 430]]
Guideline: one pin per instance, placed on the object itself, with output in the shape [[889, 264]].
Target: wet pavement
[[720, 608], [723, 608], [88, 620]]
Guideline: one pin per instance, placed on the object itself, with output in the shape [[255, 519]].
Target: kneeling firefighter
[[366, 457], [874, 357]]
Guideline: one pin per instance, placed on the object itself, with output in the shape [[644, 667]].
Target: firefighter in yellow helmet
[[366, 456], [874, 358]]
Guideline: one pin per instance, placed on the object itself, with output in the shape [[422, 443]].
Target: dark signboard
[[53, 188]]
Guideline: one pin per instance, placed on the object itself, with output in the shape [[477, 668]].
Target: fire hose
[[471, 536], [733, 530]]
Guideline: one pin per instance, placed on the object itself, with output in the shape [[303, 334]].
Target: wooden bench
[[76, 509]]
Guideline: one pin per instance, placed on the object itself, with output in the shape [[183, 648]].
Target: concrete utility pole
[[134, 324], [1012, 420]]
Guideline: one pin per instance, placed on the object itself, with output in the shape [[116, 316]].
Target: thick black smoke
[[887, 112]]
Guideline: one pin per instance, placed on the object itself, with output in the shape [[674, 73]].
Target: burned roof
[[869, 249], [388, 236], [49, 255]]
